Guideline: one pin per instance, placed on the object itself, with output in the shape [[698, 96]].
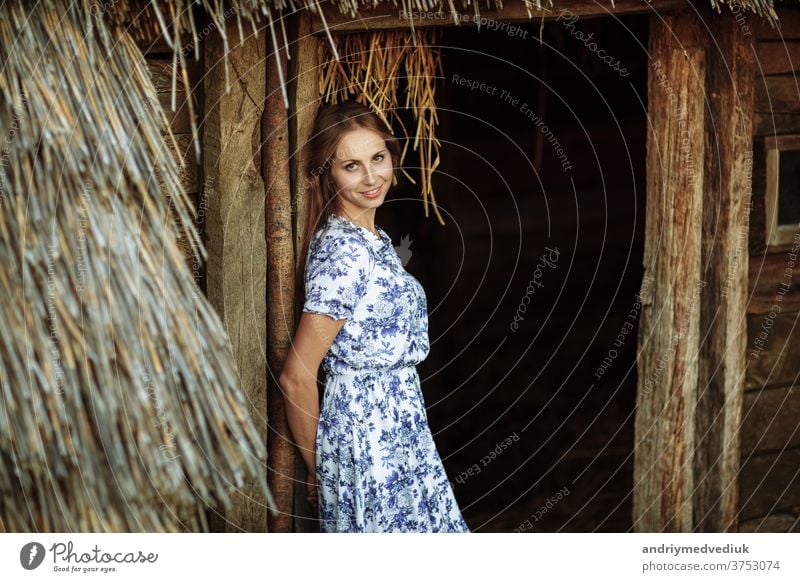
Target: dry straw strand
[[121, 409], [370, 67]]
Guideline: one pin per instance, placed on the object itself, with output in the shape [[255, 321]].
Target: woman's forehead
[[358, 144]]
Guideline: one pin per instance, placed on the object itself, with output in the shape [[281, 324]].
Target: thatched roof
[[120, 407]]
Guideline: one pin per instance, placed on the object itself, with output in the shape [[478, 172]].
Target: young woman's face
[[362, 170]]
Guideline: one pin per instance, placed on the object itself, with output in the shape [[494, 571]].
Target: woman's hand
[[311, 489]]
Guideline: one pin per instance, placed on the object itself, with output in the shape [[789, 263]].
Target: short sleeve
[[336, 277]]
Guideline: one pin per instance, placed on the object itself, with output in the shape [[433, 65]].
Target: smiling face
[[362, 171]]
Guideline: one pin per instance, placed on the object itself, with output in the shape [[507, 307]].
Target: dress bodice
[[355, 275]]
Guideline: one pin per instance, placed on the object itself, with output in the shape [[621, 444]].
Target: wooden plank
[[306, 102], [769, 420], [770, 283], [757, 236], [730, 87], [778, 94], [280, 285], [776, 124], [781, 523], [788, 25], [668, 333], [778, 57], [235, 190], [773, 349], [388, 16], [770, 483]]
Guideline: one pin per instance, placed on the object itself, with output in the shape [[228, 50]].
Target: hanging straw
[[175, 19], [120, 407], [370, 67]]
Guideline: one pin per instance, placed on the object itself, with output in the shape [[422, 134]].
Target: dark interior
[[534, 421]]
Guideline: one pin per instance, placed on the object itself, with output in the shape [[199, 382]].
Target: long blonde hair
[[332, 122]]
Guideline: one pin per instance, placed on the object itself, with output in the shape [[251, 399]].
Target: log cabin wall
[[769, 498]]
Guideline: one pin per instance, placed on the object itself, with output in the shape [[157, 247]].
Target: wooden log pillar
[[280, 282], [305, 102], [235, 231], [730, 87], [668, 338]]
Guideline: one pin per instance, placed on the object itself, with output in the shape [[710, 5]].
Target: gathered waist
[[354, 372]]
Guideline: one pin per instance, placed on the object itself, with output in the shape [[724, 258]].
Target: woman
[[371, 459]]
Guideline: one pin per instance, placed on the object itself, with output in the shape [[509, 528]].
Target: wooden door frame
[[693, 327], [695, 306]]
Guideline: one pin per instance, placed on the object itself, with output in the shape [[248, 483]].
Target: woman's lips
[[373, 193]]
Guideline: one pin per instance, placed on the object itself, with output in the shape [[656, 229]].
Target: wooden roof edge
[[143, 16]]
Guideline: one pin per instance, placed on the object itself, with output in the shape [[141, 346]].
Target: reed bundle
[[120, 407]]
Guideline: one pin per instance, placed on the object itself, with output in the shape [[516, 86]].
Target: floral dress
[[378, 469]]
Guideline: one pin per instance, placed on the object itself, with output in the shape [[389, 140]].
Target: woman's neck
[[365, 219]]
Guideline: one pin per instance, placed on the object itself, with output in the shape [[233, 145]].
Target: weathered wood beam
[[730, 88], [235, 231], [769, 487], [280, 284], [305, 102], [789, 26], [388, 16], [777, 94], [770, 283], [773, 350], [668, 332], [779, 57], [769, 420]]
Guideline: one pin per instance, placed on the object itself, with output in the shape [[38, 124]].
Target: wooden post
[[730, 87], [668, 333], [305, 102], [235, 228], [280, 283]]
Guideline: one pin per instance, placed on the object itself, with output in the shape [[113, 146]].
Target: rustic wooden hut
[[598, 207]]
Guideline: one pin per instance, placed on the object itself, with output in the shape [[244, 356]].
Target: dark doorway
[[531, 380]]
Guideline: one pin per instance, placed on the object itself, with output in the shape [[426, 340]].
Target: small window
[[782, 196]]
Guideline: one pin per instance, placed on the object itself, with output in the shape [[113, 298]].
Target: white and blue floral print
[[378, 469]]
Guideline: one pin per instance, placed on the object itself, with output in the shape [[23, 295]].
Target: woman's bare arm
[[298, 381]]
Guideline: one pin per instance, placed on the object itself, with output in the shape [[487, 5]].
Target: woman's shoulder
[[333, 238], [339, 249]]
